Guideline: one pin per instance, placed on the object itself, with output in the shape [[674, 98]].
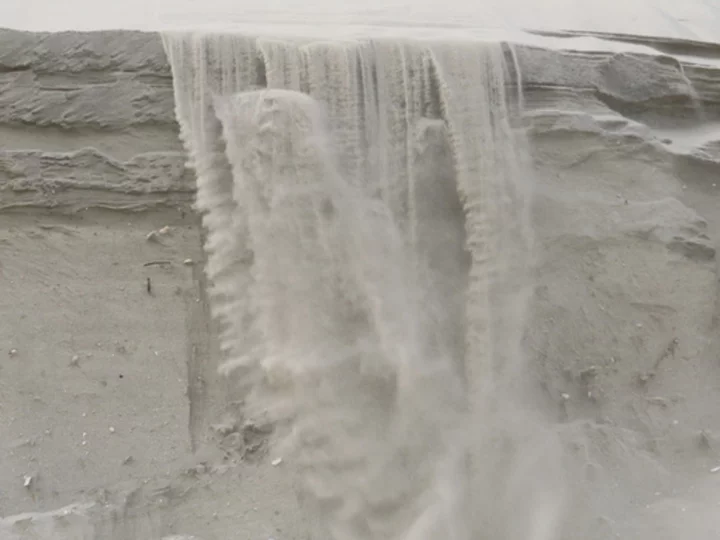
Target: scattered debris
[[255, 437], [75, 361], [589, 373], [19, 443], [154, 236], [643, 378], [715, 469], [12, 352], [232, 441], [188, 262], [657, 400], [587, 378], [705, 440], [158, 263], [149, 286], [565, 396], [28, 480], [111, 429], [128, 460], [225, 428], [277, 461], [669, 351]]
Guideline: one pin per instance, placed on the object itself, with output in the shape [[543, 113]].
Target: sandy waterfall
[[370, 252]]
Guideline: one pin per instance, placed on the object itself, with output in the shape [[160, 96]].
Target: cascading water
[[369, 247]]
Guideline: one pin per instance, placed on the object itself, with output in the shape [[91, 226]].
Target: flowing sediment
[[340, 318]]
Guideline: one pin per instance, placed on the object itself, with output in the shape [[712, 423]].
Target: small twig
[[657, 400], [669, 351], [157, 263], [149, 286]]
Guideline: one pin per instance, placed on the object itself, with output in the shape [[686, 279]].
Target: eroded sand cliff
[[115, 423]]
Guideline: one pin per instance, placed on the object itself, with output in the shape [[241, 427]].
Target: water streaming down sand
[[696, 102], [370, 252]]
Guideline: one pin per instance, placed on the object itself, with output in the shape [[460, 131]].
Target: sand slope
[[623, 332]]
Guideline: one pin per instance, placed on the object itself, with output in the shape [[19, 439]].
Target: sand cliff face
[[108, 366], [85, 115]]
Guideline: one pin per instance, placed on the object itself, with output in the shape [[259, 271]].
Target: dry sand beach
[[116, 420]]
